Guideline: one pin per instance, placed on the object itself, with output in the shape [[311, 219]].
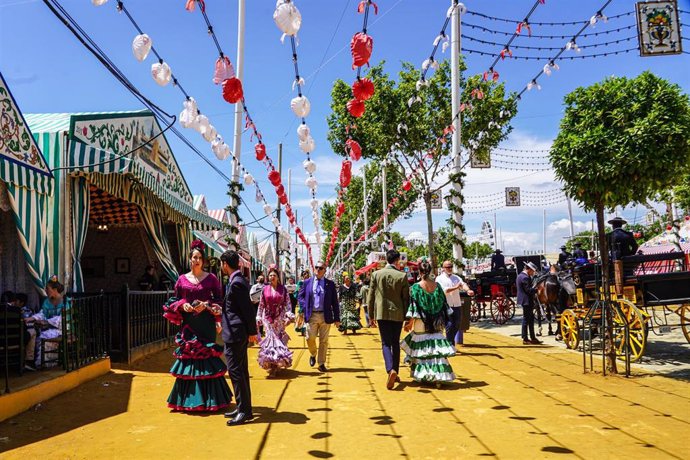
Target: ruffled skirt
[[199, 373], [428, 356], [274, 353], [349, 317]]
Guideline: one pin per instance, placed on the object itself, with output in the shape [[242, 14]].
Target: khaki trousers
[[317, 327]]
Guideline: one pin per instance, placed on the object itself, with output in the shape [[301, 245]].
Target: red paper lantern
[[260, 151], [354, 149], [362, 89], [407, 185], [282, 198], [341, 208], [274, 177], [355, 107], [232, 90], [345, 173], [361, 47], [280, 190]]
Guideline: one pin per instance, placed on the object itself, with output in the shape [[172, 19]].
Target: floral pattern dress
[[426, 345], [274, 314], [199, 371], [349, 311]]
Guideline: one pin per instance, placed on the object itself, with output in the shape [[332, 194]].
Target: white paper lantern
[[209, 133], [99, 2], [201, 124], [248, 179], [288, 18], [258, 196], [219, 148], [276, 222], [189, 113], [307, 146], [311, 182], [314, 203], [300, 106], [303, 132], [268, 210], [141, 45], [309, 166], [161, 73]]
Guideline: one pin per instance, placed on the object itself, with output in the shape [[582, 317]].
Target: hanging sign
[[436, 200], [658, 28], [476, 162], [512, 196]]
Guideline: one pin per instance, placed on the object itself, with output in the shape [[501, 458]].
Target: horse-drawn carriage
[[649, 293], [495, 289]]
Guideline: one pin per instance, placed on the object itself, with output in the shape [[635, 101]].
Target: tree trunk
[[609, 350], [430, 230], [669, 212]]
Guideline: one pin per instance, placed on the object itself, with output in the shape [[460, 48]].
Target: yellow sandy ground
[[509, 401]]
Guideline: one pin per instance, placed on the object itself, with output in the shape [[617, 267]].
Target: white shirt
[[447, 282]]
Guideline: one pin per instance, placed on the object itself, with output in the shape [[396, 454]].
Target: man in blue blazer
[[320, 308]]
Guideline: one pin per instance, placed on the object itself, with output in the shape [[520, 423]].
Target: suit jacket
[[389, 294], [331, 307], [238, 317], [621, 243], [497, 261], [525, 291]]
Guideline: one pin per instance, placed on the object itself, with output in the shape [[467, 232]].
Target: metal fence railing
[[85, 331], [144, 319]]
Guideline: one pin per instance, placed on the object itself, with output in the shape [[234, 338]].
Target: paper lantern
[[223, 70], [361, 47], [282, 199], [274, 177], [232, 90], [141, 45], [407, 185], [300, 106], [268, 210], [280, 190], [303, 132], [161, 73], [345, 173], [191, 4], [258, 196], [260, 151], [287, 18], [220, 148], [189, 113], [309, 166], [276, 222], [355, 107], [341, 209], [314, 203], [248, 179], [99, 2], [353, 149], [209, 132], [362, 89], [311, 183], [201, 123], [308, 145]]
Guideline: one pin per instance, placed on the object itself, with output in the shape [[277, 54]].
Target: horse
[[553, 290]]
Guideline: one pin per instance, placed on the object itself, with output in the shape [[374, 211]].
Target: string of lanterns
[[566, 23], [289, 20], [550, 48], [542, 58]]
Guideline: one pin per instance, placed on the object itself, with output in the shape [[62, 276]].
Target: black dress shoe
[[322, 368], [240, 419], [312, 361], [231, 414]]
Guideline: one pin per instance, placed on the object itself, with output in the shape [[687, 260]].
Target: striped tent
[[27, 178], [126, 155]]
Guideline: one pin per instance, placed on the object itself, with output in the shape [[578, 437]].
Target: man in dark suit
[[320, 308], [239, 328], [525, 294], [621, 242], [579, 253], [563, 257], [498, 261]]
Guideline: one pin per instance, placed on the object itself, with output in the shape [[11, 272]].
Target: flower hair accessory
[[53, 279], [198, 244], [273, 267]]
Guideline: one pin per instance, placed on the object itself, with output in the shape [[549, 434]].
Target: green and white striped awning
[[21, 160], [214, 249]]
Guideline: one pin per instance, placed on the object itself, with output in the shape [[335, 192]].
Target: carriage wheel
[[637, 334], [512, 307], [501, 309], [474, 311], [684, 313], [570, 329]]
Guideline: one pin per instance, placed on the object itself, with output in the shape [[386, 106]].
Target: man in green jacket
[[388, 299]]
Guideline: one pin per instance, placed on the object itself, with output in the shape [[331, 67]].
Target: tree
[[585, 238], [416, 136], [477, 250], [620, 142]]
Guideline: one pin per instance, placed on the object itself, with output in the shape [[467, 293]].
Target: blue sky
[[49, 71]]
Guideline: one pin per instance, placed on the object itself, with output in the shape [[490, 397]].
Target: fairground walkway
[[509, 401]]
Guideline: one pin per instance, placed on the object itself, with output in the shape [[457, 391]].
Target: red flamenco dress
[[199, 372]]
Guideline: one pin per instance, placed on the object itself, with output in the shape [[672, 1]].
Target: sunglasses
[[448, 267], [320, 268]]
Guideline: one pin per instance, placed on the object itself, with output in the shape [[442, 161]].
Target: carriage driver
[[498, 261], [563, 257], [621, 242]]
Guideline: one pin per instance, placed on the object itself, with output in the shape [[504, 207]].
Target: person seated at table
[[148, 280], [48, 321]]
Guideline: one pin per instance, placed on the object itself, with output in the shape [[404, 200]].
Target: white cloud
[[515, 243]]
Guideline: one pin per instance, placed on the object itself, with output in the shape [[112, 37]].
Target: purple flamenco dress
[[198, 370], [274, 313]]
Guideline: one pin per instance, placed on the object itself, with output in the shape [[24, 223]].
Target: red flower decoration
[[274, 177], [355, 107], [260, 151], [362, 89], [232, 90], [84, 130], [407, 185], [361, 47]]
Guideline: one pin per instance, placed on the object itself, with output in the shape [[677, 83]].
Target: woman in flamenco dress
[[349, 311], [274, 314], [199, 371], [426, 345]]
